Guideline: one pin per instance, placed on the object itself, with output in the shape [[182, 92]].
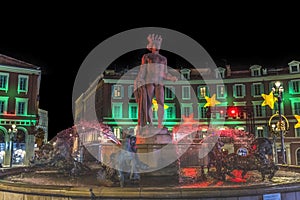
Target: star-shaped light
[[269, 100], [298, 119], [211, 101], [155, 105]]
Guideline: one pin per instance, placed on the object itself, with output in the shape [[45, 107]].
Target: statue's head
[[154, 42]]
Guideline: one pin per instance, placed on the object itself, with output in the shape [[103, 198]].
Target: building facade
[[19, 102], [112, 98]]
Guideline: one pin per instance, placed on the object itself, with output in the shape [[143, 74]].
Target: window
[[297, 132], [170, 113], [186, 92], [202, 112], [297, 108], [294, 87], [260, 131], [21, 106], [255, 70], [239, 90], [186, 109], [117, 91], [131, 92], [185, 74], [221, 92], [117, 110], [3, 105], [202, 91], [169, 92], [4, 81], [258, 111], [295, 104], [22, 83], [133, 111], [257, 89], [294, 66]]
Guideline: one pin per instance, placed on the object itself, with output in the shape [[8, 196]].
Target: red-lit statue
[[149, 82]]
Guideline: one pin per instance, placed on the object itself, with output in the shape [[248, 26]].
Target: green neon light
[[19, 122]]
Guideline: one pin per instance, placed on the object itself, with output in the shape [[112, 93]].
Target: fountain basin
[[285, 183]]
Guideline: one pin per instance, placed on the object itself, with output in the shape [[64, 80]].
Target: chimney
[[228, 70]]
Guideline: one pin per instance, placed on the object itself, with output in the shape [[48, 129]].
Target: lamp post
[[279, 90], [11, 136], [274, 142]]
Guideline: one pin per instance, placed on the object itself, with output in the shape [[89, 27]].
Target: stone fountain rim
[[140, 192], [144, 192]]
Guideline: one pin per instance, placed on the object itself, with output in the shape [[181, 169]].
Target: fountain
[[57, 171], [153, 162]]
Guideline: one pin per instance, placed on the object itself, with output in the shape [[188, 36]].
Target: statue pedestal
[[156, 145], [153, 135]]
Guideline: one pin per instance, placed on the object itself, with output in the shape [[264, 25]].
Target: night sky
[[59, 46]]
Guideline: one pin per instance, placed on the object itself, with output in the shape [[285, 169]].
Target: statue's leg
[[273, 169], [159, 93], [144, 104], [133, 171], [150, 95], [121, 178]]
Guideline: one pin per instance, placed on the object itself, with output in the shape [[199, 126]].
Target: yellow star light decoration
[[298, 119], [155, 105], [211, 101], [269, 100]]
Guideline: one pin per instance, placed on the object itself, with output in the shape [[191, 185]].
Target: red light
[[232, 111]]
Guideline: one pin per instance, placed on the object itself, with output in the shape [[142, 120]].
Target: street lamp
[[11, 136], [273, 126], [278, 89]]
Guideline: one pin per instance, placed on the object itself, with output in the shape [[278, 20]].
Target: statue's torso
[[156, 65]]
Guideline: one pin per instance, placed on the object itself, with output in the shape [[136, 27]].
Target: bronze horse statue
[[259, 158], [250, 162]]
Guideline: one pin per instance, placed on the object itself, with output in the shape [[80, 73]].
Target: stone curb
[[145, 192]]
